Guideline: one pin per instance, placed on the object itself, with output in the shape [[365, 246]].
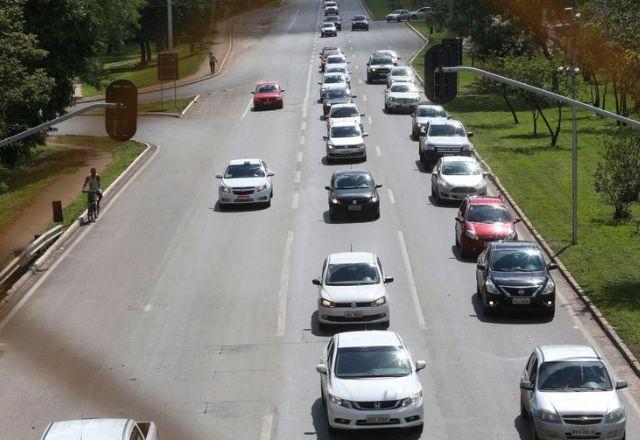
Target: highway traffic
[[210, 319]]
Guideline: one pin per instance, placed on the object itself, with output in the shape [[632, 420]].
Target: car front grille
[[354, 304], [390, 422], [463, 189], [243, 191], [361, 319], [582, 419], [448, 149], [385, 404], [358, 201], [520, 290], [344, 147]]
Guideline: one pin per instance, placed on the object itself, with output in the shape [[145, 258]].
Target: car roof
[[439, 107], [88, 429], [346, 172], [252, 161], [352, 257], [484, 200], [336, 55], [348, 123], [264, 83], [400, 68], [552, 353], [460, 159], [334, 47], [368, 338]]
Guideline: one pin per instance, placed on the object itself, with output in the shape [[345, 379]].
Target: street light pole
[[169, 25]]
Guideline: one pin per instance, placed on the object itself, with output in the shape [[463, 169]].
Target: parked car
[[335, 19], [353, 193], [514, 275], [424, 114], [368, 380], [378, 67], [567, 391], [443, 137], [245, 181], [402, 96], [456, 177], [420, 13], [398, 15], [102, 429], [359, 22], [328, 30], [345, 140], [400, 74], [268, 94]]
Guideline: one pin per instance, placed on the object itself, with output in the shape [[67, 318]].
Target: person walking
[[212, 62]]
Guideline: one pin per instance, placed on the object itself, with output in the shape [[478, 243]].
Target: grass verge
[[169, 106]]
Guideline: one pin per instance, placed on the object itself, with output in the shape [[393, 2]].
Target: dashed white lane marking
[[282, 294], [305, 102], [300, 156], [364, 98], [295, 201], [303, 126], [370, 119], [351, 48], [246, 110], [302, 140], [147, 308], [267, 425], [298, 177], [294, 19], [410, 279], [357, 67], [378, 151], [392, 199]]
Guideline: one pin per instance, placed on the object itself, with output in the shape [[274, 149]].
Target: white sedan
[[369, 381], [400, 74], [332, 81], [344, 113], [456, 177], [401, 96], [245, 181]]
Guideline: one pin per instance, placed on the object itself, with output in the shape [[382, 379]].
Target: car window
[[345, 131], [431, 112], [136, 434], [359, 18], [574, 376], [334, 94], [333, 79], [267, 88], [461, 168], [363, 362], [380, 61], [345, 112], [488, 214], [529, 260], [336, 59], [244, 170], [533, 374], [400, 72], [352, 274], [463, 207], [330, 354], [402, 88], [353, 181], [446, 130]]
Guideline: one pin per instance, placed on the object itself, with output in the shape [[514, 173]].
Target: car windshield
[[345, 112], [336, 60], [402, 88], [331, 79], [348, 131], [574, 376], [353, 181], [488, 214], [401, 72], [446, 130], [461, 168], [359, 18], [387, 53], [267, 88], [327, 25], [245, 170], [431, 112], [380, 61], [335, 94], [352, 274], [529, 260], [336, 69], [365, 362]]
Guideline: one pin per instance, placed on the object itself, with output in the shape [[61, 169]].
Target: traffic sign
[[442, 87], [168, 66], [121, 121]]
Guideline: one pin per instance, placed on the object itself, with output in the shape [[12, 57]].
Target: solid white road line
[[392, 199], [364, 98], [295, 201], [246, 110], [378, 151], [294, 19], [298, 177], [267, 425], [410, 279], [284, 286], [305, 102]]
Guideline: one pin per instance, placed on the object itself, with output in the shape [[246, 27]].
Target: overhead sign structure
[[121, 120], [441, 87]]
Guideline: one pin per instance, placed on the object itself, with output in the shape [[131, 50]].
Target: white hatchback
[[245, 181], [369, 381]]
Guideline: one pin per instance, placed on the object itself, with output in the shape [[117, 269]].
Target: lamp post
[[169, 25]]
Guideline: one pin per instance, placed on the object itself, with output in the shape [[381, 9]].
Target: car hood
[[359, 21], [267, 95], [333, 86], [354, 120], [355, 140], [331, 101], [375, 389], [448, 140], [427, 119], [469, 180], [364, 293], [490, 230], [404, 95], [401, 79], [353, 193], [519, 278], [381, 66], [585, 402], [244, 182]]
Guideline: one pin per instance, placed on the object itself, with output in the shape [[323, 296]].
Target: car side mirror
[[517, 220], [481, 266], [552, 266], [449, 117], [367, 64], [315, 282], [362, 115], [319, 83], [354, 96], [620, 384], [323, 117], [253, 93], [328, 188], [526, 385], [326, 138], [270, 174], [420, 365], [218, 176], [378, 185], [435, 173], [459, 219], [388, 280], [486, 173], [282, 90], [470, 134], [364, 135], [321, 368], [413, 115]]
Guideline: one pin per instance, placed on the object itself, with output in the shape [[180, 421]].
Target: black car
[[353, 193], [359, 22], [335, 19], [379, 67], [514, 275], [338, 96]]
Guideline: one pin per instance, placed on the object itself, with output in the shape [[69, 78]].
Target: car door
[[462, 212], [327, 359], [483, 261], [528, 398]]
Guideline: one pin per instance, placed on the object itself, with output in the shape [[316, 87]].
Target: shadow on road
[[240, 207], [351, 219], [525, 316], [331, 330], [333, 162], [522, 426]]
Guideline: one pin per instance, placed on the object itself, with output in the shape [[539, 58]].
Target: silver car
[[443, 137], [345, 140], [456, 177], [566, 392], [245, 181], [424, 114], [401, 96], [400, 74], [339, 69], [333, 81]]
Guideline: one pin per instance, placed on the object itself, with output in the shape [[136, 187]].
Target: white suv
[[443, 137], [245, 181], [352, 290], [369, 381], [345, 140]]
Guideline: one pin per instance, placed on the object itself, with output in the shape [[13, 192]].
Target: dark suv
[[514, 275], [359, 22], [379, 67]]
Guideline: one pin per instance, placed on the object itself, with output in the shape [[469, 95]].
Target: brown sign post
[[56, 205], [168, 70]]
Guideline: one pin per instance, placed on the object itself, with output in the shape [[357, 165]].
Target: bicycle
[[93, 207]]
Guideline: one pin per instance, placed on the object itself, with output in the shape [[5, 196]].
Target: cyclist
[[92, 184]]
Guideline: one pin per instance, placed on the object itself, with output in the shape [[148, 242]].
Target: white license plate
[[354, 207], [521, 300], [378, 419], [353, 314], [584, 430]]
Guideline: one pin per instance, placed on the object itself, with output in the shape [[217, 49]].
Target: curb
[[427, 41], [368, 11], [188, 107], [608, 329], [40, 263]]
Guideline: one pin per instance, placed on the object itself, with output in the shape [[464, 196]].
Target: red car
[[268, 94], [481, 220]]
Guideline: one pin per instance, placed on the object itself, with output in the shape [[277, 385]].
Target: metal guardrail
[[29, 252]]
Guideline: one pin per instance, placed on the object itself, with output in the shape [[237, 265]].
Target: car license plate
[[242, 198], [584, 430], [267, 102], [355, 208], [378, 419], [521, 300], [353, 314]]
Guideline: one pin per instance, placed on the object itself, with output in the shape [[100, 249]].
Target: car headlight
[[550, 287], [378, 302], [330, 146], [327, 303], [335, 201], [225, 189], [373, 69], [466, 147], [491, 288], [471, 234], [615, 416], [339, 401], [548, 416], [374, 199], [261, 188], [411, 399], [431, 146]]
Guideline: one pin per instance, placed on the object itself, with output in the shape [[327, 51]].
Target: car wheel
[[368, 79], [438, 198], [332, 216], [523, 412], [414, 17], [418, 429], [423, 159], [267, 204], [271, 194], [364, 158], [455, 237], [550, 314], [388, 20], [376, 215], [464, 252]]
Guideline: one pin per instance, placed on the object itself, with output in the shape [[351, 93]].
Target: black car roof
[[339, 173], [513, 245]]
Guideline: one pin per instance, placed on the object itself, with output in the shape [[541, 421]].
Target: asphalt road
[[203, 321]]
